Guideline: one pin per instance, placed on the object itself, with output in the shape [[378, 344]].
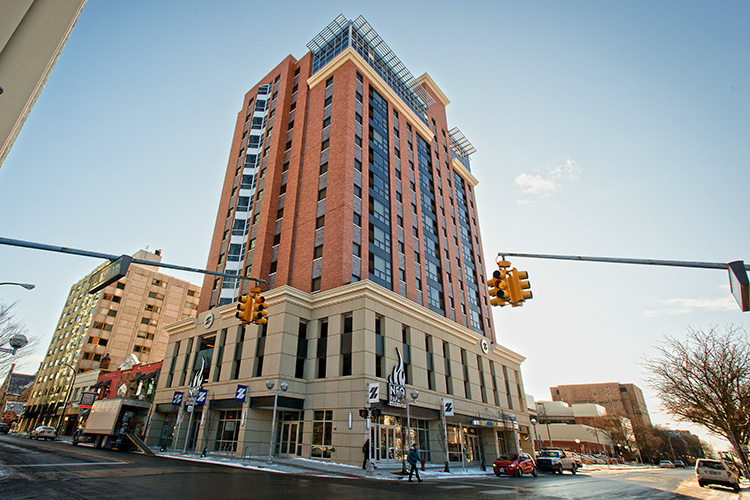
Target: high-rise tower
[[349, 195], [343, 168]]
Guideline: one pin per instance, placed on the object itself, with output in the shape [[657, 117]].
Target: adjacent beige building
[[32, 36], [101, 330]]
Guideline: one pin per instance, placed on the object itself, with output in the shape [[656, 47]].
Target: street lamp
[[414, 395], [67, 396], [283, 387], [27, 286], [578, 442], [536, 436], [16, 342]]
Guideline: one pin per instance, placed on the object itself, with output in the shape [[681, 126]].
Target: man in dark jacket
[[413, 458], [366, 451]]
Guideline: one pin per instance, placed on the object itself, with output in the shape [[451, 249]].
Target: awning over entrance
[[285, 402]]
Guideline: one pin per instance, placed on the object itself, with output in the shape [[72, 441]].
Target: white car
[[43, 432], [717, 472]]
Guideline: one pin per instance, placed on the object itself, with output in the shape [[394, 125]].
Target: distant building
[[32, 36], [571, 427], [105, 328], [618, 399], [13, 395]]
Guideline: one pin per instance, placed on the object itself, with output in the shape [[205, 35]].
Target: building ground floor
[[330, 355], [336, 434]]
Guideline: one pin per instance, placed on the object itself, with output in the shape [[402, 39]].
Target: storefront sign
[[492, 423], [448, 407], [177, 398], [396, 381], [373, 393], [241, 393]]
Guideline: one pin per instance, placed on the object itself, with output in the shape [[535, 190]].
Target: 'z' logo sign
[[177, 399], [201, 398], [373, 393], [448, 407], [241, 393]]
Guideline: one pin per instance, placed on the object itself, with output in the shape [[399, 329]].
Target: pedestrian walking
[[413, 458], [366, 451]]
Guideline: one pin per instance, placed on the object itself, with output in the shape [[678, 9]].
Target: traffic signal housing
[[259, 312], [245, 308], [498, 285], [519, 287], [363, 412]]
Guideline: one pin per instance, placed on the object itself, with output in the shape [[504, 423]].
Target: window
[[328, 101], [324, 168], [146, 335], [357, 219], [322, 194], [315, 284], [320, 222], [191, 293], [318, 252], [327, 122], [276, 239], [282, 189], [322, 434], [299, 370], [359, 77], [358, 165], [356, 249], [272, 270], [322, 349], [160, 283], [280, 213], [358, 191], [149, 321], [358, 117], [111, 312], [153, 308], [346, 345], [325, 145], [358, 140]]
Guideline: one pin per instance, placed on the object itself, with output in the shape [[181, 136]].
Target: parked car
[[43, 432], [4, 428], [679, 463], [666, 464], [513, 464], [717, 472]]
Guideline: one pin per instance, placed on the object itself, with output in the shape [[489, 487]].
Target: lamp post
[[414, 395], [536, 436], [283, 387], [27, 286], [67, 396], [578, 442], [16, 342]]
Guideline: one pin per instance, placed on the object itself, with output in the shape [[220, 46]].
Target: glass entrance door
[[289, 438], [386, 442]]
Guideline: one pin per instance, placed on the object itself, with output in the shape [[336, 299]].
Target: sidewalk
[[391, 472]]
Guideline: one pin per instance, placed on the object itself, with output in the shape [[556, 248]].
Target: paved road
[[52, 470]]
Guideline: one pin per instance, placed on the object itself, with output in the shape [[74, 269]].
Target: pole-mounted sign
[[739, 284], [109, 274]]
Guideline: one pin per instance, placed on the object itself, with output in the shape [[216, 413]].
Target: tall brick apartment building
[[348, 193], [619, 399]]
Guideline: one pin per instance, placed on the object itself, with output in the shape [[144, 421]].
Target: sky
[[602, 128]]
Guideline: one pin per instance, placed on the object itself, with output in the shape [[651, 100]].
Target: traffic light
[[375, 412], [245, 308], [363, 412], [498, 285], [519, 287], [259, 310]]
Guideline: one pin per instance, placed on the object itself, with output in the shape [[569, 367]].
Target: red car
[[512, 464]]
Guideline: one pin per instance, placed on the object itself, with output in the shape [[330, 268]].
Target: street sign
[[448, 407], [739, 284], [177, 398], [241, 393], [109, 274], [201, 398], [87, 399], [190, 409], [373, 393]]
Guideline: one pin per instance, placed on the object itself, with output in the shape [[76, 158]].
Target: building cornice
[[463, 172], [426, 80], [351, 55]]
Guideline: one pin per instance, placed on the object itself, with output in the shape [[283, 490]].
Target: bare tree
[[705, 379], [9, 327]]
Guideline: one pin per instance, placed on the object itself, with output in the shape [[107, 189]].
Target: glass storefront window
[[228, 431], [322, 434]]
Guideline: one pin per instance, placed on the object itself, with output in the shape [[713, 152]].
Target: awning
[[103, 383]]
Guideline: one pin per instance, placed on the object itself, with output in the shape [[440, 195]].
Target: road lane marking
[[63, 464]]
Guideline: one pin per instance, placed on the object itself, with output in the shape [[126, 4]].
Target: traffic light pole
[[650, 262], [112, 258]]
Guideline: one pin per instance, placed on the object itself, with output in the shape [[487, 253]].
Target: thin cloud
[[542, 185], [677, 306]]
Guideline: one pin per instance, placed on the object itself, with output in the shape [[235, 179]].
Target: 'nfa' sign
[[396, 381]]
